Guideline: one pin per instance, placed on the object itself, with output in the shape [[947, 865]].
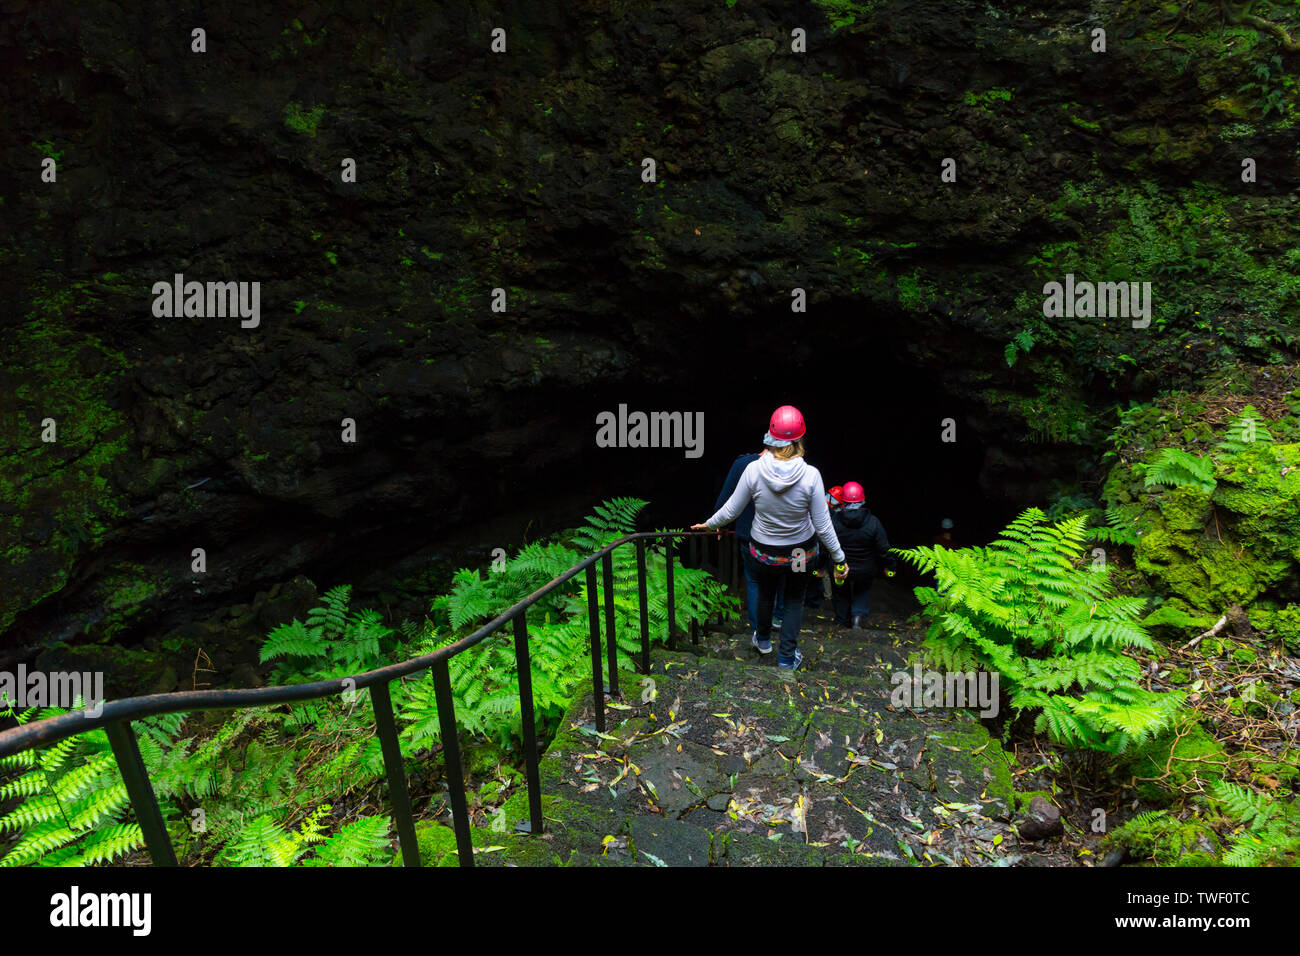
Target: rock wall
[[522, 171]]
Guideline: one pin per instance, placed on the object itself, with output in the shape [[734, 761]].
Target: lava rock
[[719, 801], [1239, 623], [1041, 820]]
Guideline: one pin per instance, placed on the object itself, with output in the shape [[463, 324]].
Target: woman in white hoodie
[[790, 516]]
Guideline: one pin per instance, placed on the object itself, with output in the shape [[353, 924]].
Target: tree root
[[1268, 26]]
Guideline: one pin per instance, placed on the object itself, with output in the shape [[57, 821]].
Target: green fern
[[1173, 466], [248, 774], [1118, 528], [264, 842], [73, 806], [611, 519], [363, 842], [1030, 607], [1272, 826], [1245, 430], [331, 619]]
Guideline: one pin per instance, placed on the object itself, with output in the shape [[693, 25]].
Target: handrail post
[[645, 611], [694, 624], [524, 668], [126, 751], [382, 702], [611, 634], [672, 597], [451, 756], [593, 620]]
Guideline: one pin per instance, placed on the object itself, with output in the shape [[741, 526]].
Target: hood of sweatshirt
[[854, 518], [780, 476]]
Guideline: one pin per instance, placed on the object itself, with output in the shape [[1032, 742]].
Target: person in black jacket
[[743, 525], [866, 549], [813, 597]]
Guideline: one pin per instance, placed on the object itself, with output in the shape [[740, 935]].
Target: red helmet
[[853, 493], [787, 424], [837, 493]]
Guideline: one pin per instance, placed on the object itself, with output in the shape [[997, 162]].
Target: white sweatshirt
[[789, 500]]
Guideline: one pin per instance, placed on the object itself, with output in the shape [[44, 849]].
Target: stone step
[[726, 762]]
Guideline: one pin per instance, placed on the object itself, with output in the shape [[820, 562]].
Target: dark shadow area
[[873, 416]]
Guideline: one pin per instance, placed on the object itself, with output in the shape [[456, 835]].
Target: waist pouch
[[777, 558]]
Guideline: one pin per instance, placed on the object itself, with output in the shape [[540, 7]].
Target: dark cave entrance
[[874, 411], [874, 415]]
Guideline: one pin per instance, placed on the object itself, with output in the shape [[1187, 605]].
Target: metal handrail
[[116, 716]]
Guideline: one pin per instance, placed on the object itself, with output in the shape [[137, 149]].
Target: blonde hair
[[789, 451]]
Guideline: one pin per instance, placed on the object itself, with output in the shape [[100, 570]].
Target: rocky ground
[[717, 758]]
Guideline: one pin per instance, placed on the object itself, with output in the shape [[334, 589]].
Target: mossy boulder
[[1185, 509], [1163, 765], [1176, 617], [1283, 624], [1212, 551], [1167, 841], [437, 844], [1025, 797]]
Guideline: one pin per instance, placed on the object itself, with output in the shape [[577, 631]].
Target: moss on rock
[[1161, 766], [1168, 841]]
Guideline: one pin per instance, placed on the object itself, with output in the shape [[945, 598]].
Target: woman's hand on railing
[[705, 527]]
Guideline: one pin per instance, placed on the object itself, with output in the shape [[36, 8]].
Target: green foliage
[[265, 842], [73, 808], [1272, 826], [47, 149], [253, 778], [300, 120], [1160, 836], [1053, 630], [1173, 466], [1217, 527], [1022, 341], [1267, 85], [845, 13], [1118, 528], [1224, 290], [337, 641], [484, 678], [1244, 431]]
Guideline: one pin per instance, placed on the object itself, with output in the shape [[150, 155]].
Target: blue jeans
[[751, 588], [776, 582], [853, 597]]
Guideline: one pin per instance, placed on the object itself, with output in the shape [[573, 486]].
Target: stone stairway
[[717, 758]]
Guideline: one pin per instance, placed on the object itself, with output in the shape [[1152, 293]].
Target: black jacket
[[866, 549], [745, 522]]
